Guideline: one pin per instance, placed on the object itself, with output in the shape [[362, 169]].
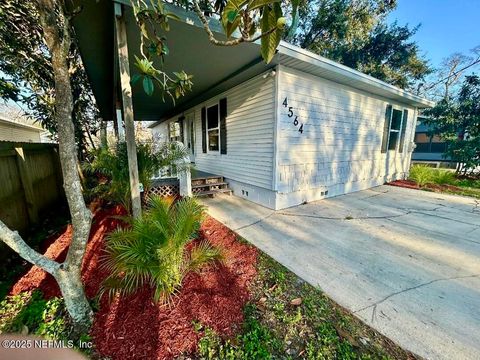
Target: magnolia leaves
[[175, 87], [246, 16], [152, 21], [271, 18]]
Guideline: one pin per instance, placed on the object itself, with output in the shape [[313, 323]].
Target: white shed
[[307, 129]]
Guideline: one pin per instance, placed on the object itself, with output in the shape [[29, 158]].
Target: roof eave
[[329, 65]]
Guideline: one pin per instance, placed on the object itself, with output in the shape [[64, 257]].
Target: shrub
[[110, 166], [34, 314], [421, 174], [153, 251], [442, 177]]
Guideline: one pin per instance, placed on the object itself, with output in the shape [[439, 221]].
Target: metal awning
[[215, 69]]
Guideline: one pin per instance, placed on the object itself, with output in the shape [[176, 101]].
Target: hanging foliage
[[243, 21]]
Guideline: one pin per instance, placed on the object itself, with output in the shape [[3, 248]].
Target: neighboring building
[[18, 132], [299, 129], [429, 149]]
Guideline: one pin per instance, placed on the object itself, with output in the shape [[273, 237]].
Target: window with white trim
[[395, 126], [213, 128], [175, 131]]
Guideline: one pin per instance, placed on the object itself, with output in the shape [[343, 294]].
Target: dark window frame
[[397, 134]]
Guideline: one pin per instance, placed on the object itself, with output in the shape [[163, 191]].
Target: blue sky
[[447, 26]]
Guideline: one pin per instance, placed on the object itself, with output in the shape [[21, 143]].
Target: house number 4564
[[291, 114]]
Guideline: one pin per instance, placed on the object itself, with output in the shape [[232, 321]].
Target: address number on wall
[[291, 114]]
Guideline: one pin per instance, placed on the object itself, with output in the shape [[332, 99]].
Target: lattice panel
[[167, 190]]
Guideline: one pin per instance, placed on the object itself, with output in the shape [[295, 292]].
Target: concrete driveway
[[406, 262]]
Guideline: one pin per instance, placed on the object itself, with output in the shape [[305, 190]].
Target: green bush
[[153, 251], [470, 183], [34, 314], [422, 174], [110, 166], [444, 177]]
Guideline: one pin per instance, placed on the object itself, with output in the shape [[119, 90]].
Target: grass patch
[[30, 313], [290, 319], [445, 181]]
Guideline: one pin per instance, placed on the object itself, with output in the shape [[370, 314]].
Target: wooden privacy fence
[[31, 182]]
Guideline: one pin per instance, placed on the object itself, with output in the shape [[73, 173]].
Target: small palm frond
[[188, 217], [153, 250], [202, 254]]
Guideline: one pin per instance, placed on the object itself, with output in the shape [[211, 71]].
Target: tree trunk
[[57, 36], [78, 307]]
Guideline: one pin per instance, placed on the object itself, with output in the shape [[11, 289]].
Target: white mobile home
[[304, 130], [299, 129]]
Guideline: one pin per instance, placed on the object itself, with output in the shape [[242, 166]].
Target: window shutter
[[386, 128], [403, 130], [181, 121], [204, 130], [223, 126]]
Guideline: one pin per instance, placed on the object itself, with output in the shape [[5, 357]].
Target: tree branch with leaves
[[243, 21]]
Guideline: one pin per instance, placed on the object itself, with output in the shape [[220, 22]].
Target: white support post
[[124, 68], [119, 120], [184, 175]]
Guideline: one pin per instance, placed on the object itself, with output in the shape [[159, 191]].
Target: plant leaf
[[232, 15], [255, 4], [135, 78], [269, 21], [148, 85]]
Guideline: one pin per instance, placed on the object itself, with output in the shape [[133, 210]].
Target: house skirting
[[278, 200]]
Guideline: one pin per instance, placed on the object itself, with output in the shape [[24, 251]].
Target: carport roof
[[215, 69]]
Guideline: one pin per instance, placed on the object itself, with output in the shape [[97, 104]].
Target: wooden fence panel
[[30, 183], [13, 207]]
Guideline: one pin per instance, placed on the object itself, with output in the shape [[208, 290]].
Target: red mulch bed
[[433, 187], [409, 184], [135, 327]]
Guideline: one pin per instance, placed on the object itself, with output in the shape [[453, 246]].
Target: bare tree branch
[[17, 244]]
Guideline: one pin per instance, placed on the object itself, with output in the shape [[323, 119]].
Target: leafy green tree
[[355, 33], [457, 121], [26, 64]]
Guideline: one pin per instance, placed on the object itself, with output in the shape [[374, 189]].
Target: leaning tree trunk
[[57, 36], [56, 30]]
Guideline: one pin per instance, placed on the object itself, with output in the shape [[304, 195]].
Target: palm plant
[[112, 165], [153, 251]]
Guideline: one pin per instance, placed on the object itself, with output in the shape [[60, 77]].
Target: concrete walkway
[[406, 262]]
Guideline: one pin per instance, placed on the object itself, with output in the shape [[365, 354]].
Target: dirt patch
[[135, 327]]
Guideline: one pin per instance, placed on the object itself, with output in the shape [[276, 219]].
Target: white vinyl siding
[[250, 134], [340, 147], [17, 132]]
